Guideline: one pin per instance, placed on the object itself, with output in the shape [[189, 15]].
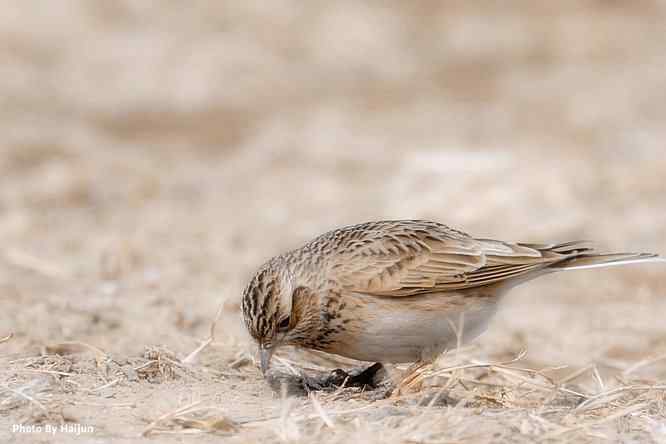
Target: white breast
[[409, 329]]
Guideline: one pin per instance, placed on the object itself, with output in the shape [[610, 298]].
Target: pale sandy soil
[[151, 157]]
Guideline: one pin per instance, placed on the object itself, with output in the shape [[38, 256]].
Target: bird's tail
[[582, 256]]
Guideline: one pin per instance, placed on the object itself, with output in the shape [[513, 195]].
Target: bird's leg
[[411, 377]]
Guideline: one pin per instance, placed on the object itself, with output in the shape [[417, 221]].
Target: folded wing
[[409, 260]]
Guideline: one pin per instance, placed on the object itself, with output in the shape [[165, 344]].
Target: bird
[[397, 291]]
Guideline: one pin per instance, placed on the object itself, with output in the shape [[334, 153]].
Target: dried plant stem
[[27, 261], [48, 372], [609, 418], [320, 411], [643, 363], [107, 385], [169, 415], [20, 394], [189, 359], [609, 395]]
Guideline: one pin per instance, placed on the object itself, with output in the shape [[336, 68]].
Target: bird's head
[[269, 310]]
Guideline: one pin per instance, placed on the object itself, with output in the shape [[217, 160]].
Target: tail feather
[[575, 255], [567, 248], [592, 260]]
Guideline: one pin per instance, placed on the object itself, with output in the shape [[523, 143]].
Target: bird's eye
[[284, 324]]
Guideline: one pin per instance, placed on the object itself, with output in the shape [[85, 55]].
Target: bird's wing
[[411, 261]]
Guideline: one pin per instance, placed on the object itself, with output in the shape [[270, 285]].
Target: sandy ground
[[152, 156]]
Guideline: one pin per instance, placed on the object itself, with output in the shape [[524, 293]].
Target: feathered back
[[408, 257]]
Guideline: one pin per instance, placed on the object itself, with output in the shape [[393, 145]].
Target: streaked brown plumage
[[393, 291]]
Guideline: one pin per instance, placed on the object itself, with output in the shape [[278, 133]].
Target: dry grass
[[151, 157]]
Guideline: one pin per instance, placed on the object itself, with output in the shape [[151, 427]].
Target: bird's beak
[[265, 354]]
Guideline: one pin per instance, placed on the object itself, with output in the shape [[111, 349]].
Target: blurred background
[[154, 154]]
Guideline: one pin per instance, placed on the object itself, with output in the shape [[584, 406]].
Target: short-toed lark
[[394, 291]]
